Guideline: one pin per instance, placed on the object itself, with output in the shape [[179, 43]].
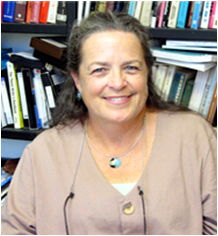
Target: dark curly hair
[[69, 107]]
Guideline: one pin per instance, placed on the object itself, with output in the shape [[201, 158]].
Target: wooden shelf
[[21, 134]]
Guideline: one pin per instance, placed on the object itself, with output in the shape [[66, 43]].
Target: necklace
[[115, 162]]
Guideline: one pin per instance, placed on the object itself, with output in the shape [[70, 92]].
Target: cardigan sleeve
[[18, 211], [209, 188]]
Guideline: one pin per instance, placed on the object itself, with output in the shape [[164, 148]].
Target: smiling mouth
[[116, 98]]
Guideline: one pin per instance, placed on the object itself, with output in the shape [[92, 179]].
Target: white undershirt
[[124, 188]]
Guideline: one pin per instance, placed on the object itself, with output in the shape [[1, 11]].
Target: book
[[145, 17], [23, 97], [131, 9], [161, 14], [185, 48], [173, 15], [187, 93], [20, 11], [101, 6], [80, 6], [179, 81], [155, 6], [205, 15], [160, 77], [138, 8], [190, 14], [215, 19], [203, 66], [41, 101], [6, 181], [8, 11], [29, 11], [43, 15], [197, 14], [169, 80], [212, 14], [213, 106], [93, 7], [6, 102], [166, 14], [110, 6], [183, 56], [34, 122], [3, 116], [15, 96], [209, 82], [198, 90], [54, 47], [35, 12], [189, 43], [182, 15], [52, 12], [210, 93], [62, 11]]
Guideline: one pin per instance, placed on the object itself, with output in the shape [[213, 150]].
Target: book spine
[[160, 77], [155, 6], [160, 20], [190, 14], [182, 15], [110, 6], [174, 10], [213, 106], [180, 79], [131, 8], [44, 12], [166, 14], [29, 11], [205, 15], [196, 14], [215, 19], [62, 11], [118, 6], [15, 96], [138, 8], [101, 6], [35, 11], [187, 93], [8, 11], [6, 102], [20, 11], [212, 14], [52, 12]]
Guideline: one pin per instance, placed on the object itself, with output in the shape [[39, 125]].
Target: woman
[[133, 164]]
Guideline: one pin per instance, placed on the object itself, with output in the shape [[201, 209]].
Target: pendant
[[114, 162]]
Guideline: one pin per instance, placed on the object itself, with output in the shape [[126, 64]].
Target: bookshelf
[[64, 29]]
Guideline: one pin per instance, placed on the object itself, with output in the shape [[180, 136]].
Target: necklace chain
[[121, 154]]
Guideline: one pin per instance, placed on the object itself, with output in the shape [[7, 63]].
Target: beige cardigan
[[179, 185]]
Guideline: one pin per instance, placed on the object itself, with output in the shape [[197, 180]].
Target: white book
[[52, 12], [184, 55], [205, 15], [198, 90], [189, 43], [145, 17], [79, 12], [184, 48], [40, 98], [160, 78], [173, 15], [3, 116], [168, 81], [195, 66], [6, 102], [138, 9], [87, 9], [15, 96], [206, 90]]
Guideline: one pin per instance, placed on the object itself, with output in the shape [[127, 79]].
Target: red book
[[190, 14], [44, 12], [20, 11], [29, 11], [212, 15], [213, 106], [35, 11], [161, 14]]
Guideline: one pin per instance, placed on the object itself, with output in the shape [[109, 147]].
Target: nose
[[117, 79]]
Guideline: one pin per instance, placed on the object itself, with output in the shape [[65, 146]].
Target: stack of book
[[53, 12], [191, 79]]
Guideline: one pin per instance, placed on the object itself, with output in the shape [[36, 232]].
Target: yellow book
[[101, 6]]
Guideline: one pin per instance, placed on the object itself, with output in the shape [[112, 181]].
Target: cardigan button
[[128, 208]]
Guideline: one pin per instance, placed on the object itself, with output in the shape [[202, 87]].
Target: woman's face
[[113, 76]]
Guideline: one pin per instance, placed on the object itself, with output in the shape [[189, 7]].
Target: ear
[[76, 80]]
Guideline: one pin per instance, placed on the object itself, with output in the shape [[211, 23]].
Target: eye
[[131, 68], [99, 70]]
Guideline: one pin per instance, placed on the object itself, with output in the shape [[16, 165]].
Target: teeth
[[117, 99]]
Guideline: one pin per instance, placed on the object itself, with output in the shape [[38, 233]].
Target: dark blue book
[[5, 182], [8, 11]]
